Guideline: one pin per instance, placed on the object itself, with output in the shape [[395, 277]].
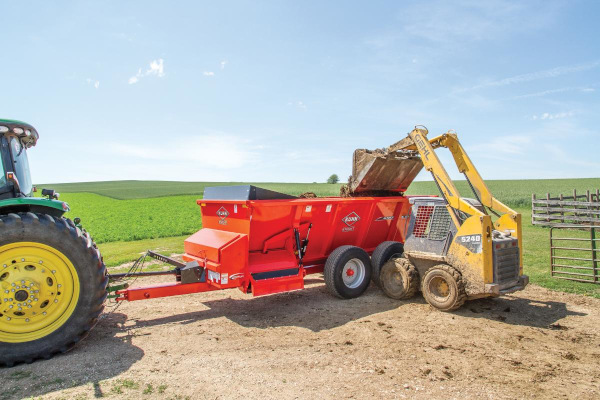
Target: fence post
[[562, 213], [589, 199], [547, 206], [532, 208]]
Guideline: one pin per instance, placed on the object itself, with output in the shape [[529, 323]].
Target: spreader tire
[[347, 272], [59, 282], [382, 254], [399, 279], [444, 288]]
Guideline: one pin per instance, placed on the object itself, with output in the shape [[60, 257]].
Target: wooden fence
[[566, 209]]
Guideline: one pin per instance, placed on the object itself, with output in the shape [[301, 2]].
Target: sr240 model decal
[[388, 218], [471, 242]]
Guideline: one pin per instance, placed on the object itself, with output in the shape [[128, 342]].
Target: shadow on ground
[[519, 311], [104, 354], [315, 309], [312, 308]]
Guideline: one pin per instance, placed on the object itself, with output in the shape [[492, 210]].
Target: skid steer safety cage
[[575, 253], [432, 222]]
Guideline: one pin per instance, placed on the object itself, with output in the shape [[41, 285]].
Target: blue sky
[[285, 91]]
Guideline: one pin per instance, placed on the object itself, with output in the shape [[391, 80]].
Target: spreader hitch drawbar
[[190, 272]]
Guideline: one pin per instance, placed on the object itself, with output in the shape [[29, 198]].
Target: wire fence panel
[[575, 253]]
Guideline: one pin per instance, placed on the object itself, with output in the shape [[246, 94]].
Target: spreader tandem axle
[[262, 242]]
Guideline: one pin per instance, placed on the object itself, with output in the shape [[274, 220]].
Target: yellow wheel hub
[[39, 290], [439, 287]]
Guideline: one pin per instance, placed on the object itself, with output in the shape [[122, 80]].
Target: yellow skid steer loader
[[454, 249]]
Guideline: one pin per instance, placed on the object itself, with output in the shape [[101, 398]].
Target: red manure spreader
[[265, 242]]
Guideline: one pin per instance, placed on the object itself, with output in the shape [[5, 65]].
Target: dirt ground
[[307, 344]]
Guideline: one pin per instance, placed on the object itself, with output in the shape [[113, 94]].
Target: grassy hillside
[[513, 192], [126, 190]]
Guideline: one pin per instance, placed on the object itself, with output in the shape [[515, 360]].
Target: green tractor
[[52, 277]]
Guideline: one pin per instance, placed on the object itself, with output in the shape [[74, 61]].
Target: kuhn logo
[[222, 213], [350, 220]]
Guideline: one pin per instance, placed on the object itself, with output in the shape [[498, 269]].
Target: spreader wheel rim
[[353, 273], [51, 289]]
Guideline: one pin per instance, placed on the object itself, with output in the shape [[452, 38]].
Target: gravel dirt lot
[[307, 344]]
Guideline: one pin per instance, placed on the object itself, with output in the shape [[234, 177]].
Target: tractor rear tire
[[347, 272], [444, 288], [399, 279], [53, 286], [382, 254]]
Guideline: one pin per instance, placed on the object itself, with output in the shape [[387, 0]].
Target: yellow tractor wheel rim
[[39, 290]]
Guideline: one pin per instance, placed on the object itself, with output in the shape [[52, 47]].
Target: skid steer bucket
[[382, 170]]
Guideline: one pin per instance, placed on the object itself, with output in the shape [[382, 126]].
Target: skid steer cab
[[52, 278]]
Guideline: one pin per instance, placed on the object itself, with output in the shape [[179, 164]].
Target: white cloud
[[221, 151], [559, 154], [513, 144], [553, 116], [223, 64], [298, 104], [208, 73], [552, 91], [532, 76], [456, 23], [157, 68], [93, 82], [543, 93]]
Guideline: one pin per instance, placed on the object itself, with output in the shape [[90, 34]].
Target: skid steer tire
[[382, 254], [399, 279], [347, 272], [444, 288], [56, 282]]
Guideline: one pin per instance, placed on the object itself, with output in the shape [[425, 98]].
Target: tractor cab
[[15, 178], [16, 186]]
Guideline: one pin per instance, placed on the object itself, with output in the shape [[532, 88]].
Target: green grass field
[[515, 193], [128, 217]]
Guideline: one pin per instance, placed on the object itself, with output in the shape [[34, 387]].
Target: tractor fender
[[54, 208]]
